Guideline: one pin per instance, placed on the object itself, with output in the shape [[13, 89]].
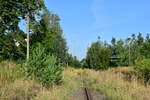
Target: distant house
[[114, 60]]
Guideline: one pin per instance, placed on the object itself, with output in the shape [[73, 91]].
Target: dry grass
[[20, 90], [114, 86], [108, 82], [14, 86], [71, 83]]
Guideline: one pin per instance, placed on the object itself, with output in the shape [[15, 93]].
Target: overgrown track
[[87, 93]]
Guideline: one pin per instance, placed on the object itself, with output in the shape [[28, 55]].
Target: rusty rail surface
[[87, 93], [86, 89]]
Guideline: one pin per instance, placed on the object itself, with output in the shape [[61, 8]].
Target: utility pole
[[129, 54], [28, 19]]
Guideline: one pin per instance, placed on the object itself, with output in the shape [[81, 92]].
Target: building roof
[[114, 57]]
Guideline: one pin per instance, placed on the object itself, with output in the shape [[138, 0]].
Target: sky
[[83, 21]]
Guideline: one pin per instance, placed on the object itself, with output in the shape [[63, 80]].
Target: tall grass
[[109, 83], [9, 72], [71, 83], [114, 86], [14, 86]]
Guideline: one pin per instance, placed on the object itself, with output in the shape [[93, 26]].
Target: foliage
[[145, 49], [143, 69], [12, 11], [98, 56], [131, 49], [117, 50], [127, 51], [44, 29], [43, 67], [73, 61], [84, 63], [49, 33], [1, 59], [9, 48]]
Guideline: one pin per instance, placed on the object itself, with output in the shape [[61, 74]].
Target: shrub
[[73, 61], [97, 56], [43, 67], [143, 69], [1, 59]]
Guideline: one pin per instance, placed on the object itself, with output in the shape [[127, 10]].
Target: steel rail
[[87, 93]]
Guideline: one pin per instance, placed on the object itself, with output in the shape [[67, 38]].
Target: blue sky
[[83, 20]]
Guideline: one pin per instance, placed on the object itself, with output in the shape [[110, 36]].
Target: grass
[[15, 86], [71, 83], [114, 86], [8, 72]]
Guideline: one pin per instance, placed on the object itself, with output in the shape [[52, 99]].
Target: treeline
[[126, 52], [132, 51], [44, 29]]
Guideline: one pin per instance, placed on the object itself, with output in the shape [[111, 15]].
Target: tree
[[12, 11], [145, 48], [113, 46], [49, 33], [43, 67], [13, 46], [73, 61], [147, 38], [98, 56], [143, 69], [122, 52], [140, 39]]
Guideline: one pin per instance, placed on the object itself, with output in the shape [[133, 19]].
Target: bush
[[1, 59], [43, 67], [73, 61], [97, 56], [143, 69]]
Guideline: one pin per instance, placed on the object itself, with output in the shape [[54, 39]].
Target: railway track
[[87, 91], [87, 94]]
